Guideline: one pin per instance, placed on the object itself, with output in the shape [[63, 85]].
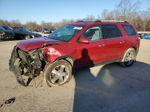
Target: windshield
[[26, 30], [7, 27], [65, 33], [2, 29]]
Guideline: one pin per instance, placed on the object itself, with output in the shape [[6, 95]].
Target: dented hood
[[31, 44]]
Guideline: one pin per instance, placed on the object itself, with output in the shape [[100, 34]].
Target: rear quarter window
[[129, 30]]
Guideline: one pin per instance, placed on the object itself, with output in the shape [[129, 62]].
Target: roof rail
[[82, 21], [111, 21], [79, 21]]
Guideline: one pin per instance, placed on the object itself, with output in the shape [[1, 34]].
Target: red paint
[[84, 53], [31, 44]]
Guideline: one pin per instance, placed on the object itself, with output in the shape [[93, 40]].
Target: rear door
[[114, 41]]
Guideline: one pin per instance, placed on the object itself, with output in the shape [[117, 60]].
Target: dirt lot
[[105, 88]]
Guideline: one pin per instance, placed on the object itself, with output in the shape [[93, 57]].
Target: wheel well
[[132, 47], [67, 58], [135, 48]]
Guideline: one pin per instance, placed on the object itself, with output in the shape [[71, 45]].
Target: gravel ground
[[104, 88]]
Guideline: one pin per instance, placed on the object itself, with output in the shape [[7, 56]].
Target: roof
[[98, 21]]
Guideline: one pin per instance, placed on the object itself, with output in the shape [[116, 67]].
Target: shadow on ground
[[113, 89]]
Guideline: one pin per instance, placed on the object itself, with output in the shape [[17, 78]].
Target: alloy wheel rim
[[129, 58], [59, 75]]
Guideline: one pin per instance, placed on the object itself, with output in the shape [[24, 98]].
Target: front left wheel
[[58, 73]]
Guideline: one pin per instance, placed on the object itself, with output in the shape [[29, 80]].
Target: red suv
[[74, 45]]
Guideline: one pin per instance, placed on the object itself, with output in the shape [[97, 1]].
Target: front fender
[[54, 53]]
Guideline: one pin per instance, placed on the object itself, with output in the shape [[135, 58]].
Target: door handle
[[121, 42], [101, 45]]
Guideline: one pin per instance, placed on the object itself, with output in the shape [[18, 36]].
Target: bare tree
[[125, 7], [4, 22], [128, 11], [63, 22], [32, 25], [46, 24], [89, 18], [125, 10], [15, 23]]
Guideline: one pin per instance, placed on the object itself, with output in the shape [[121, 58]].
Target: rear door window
[[110, 31], [129, 30]]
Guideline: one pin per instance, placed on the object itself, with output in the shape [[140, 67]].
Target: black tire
[[128, 58], [58, 73]]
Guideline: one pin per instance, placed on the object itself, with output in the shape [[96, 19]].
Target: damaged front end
[[26, 65]]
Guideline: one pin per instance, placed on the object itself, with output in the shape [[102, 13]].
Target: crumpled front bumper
[[14, 65], [23, 64]]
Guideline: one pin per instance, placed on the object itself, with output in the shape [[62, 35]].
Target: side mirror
[[84, 40]]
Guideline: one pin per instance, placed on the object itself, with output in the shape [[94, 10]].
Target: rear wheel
[[58, 73], [128, 58]]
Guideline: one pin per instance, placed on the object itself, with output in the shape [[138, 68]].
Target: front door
[[92, 52]]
